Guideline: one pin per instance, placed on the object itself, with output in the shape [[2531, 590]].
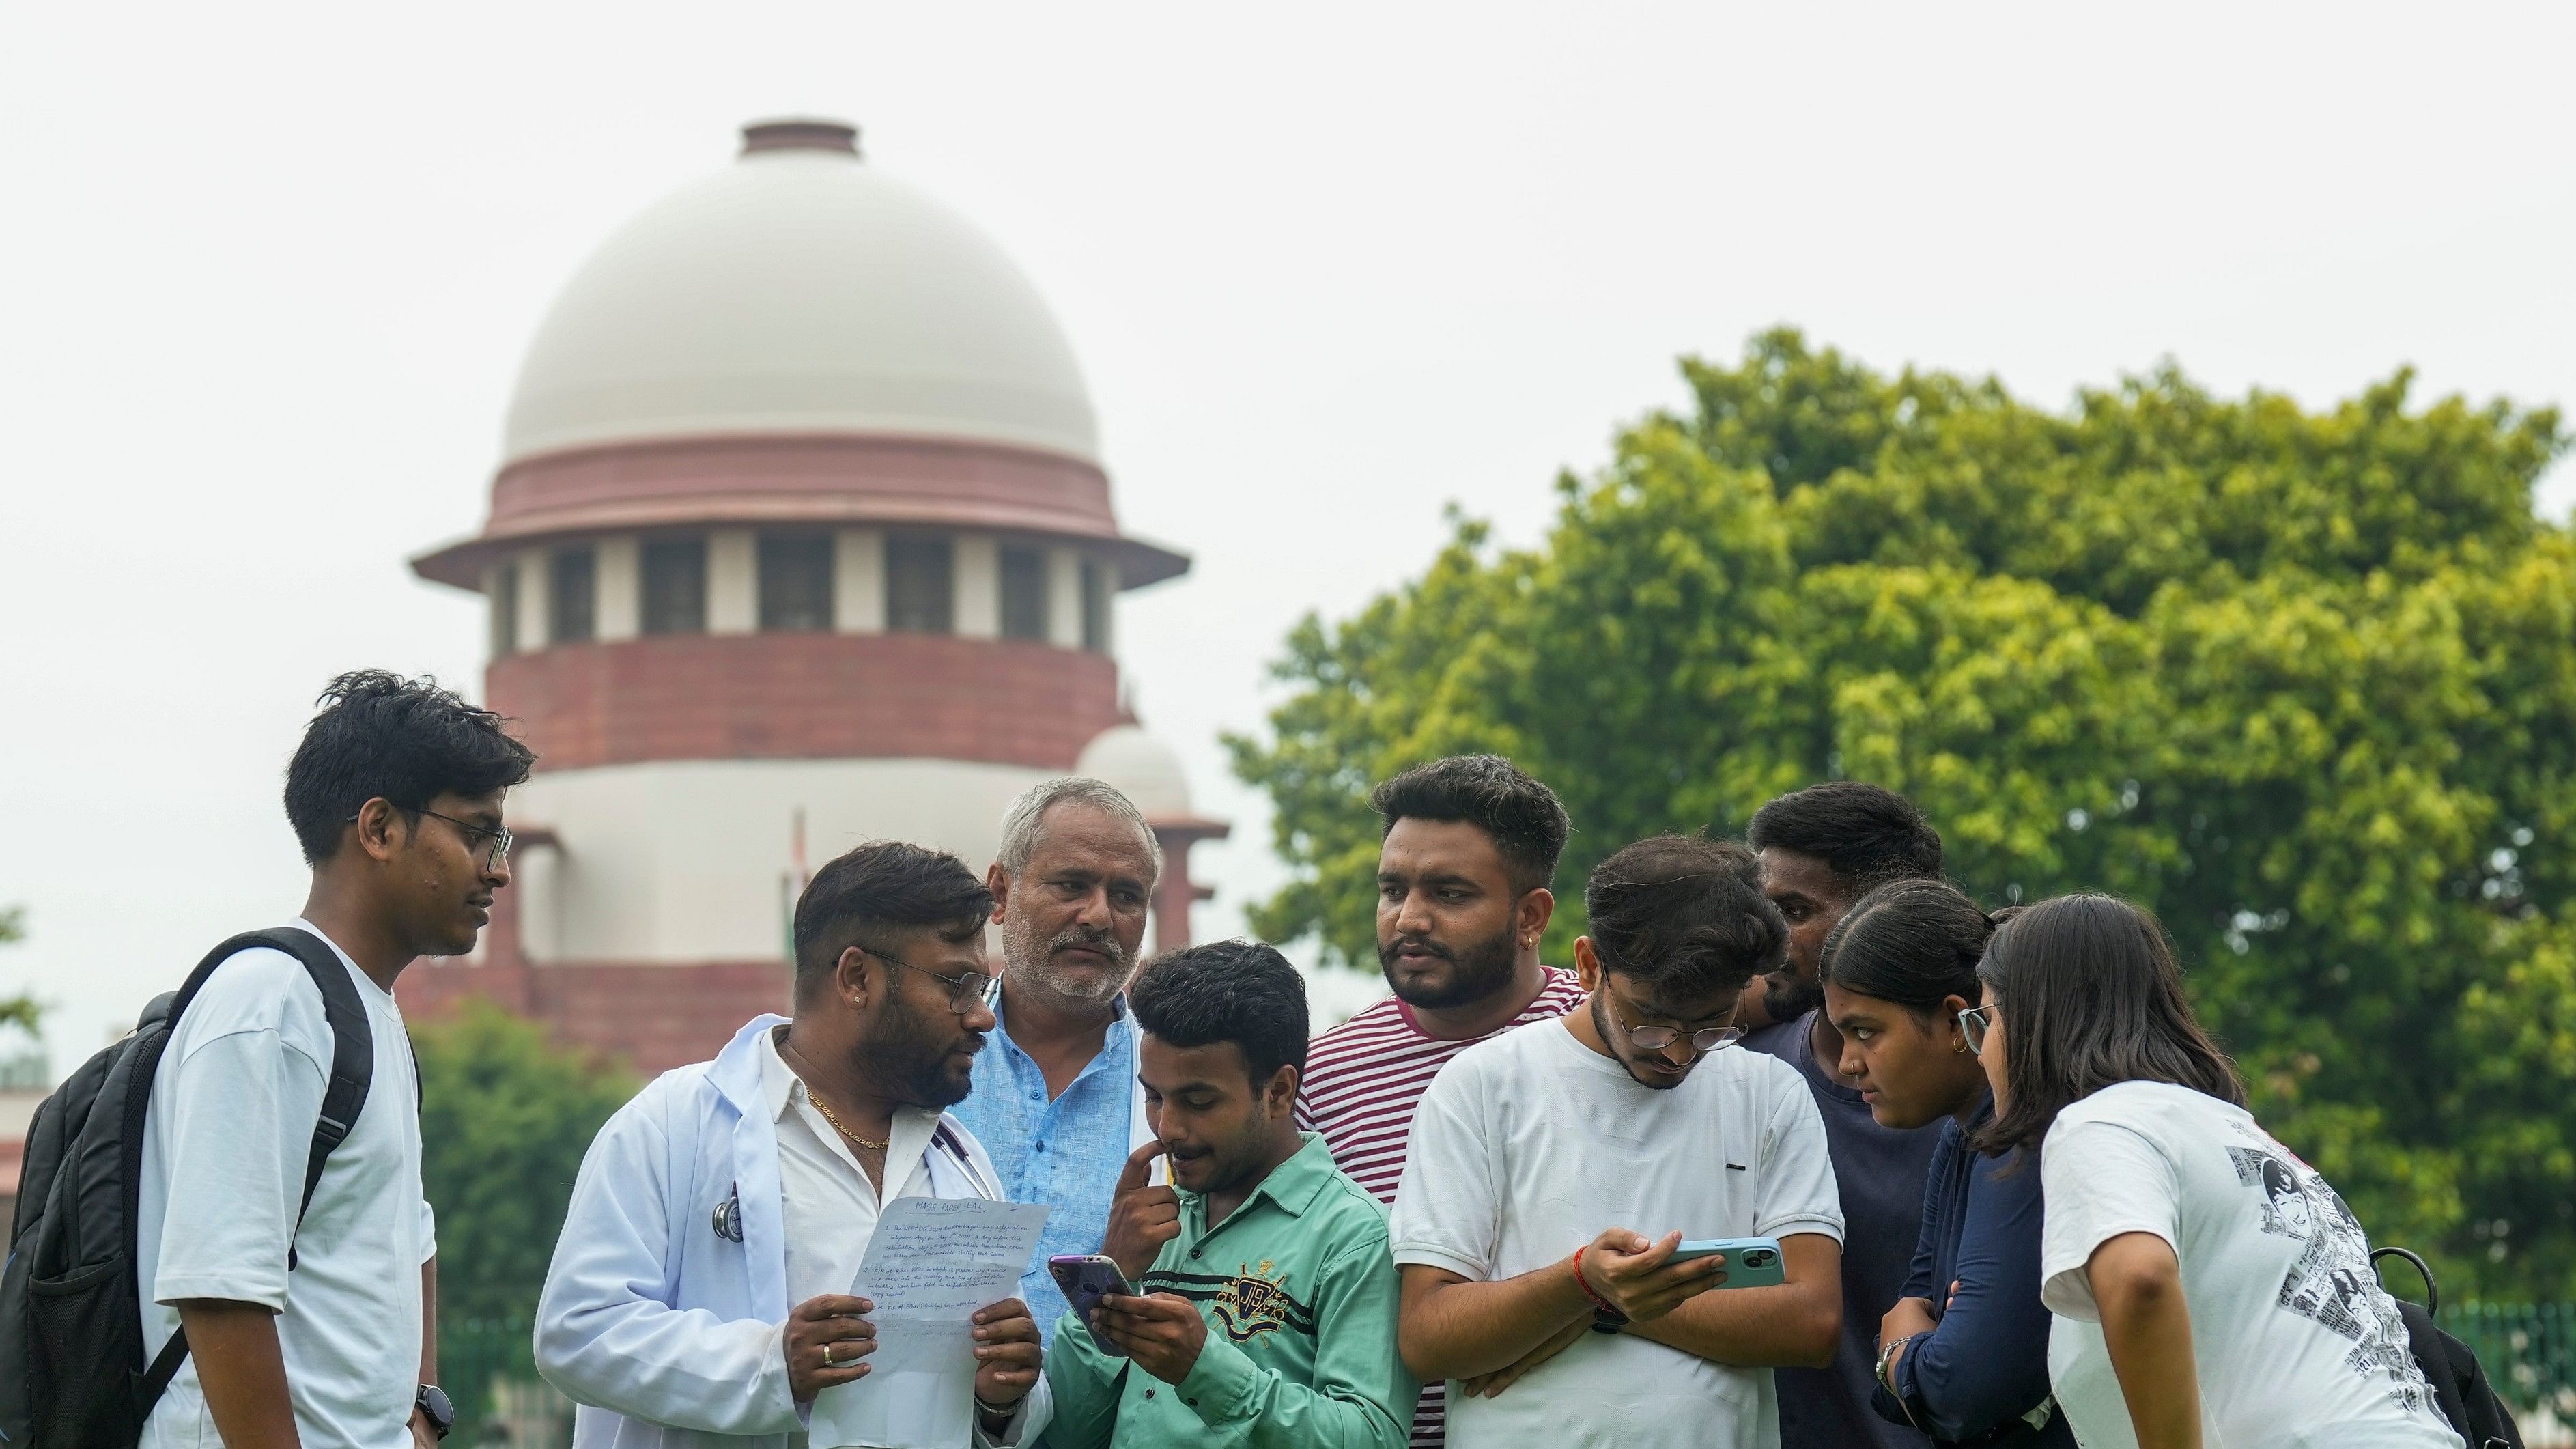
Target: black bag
[[72, 1374], [2460, 1388]]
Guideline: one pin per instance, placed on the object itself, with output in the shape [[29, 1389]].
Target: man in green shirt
[[1268, 1308]]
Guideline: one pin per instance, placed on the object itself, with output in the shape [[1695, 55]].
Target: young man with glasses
[[1056, 1099], [1627, 1128], [312, 1329], [699, 1295], [1822, 849]]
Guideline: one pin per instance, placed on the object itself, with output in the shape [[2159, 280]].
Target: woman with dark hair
[[2209, 1287], [1963, 1356]]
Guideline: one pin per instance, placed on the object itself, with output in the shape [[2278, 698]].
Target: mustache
[[1387, 952], [1089, 940]]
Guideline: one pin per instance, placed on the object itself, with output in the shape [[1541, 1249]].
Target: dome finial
[[800, 133]]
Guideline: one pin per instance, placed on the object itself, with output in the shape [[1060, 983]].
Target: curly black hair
[[1238, 991], [405, 740]]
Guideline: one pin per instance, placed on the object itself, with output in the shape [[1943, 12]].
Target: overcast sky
[[266, 274]]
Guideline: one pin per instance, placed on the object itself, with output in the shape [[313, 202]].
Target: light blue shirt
[[1066, 1153]]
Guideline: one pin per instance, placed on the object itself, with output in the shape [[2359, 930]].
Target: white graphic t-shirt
[[2295, 1341]]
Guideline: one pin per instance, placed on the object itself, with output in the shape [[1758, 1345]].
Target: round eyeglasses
[[1974, 1022], [494, 843], [965, 993], [1656, 1038]]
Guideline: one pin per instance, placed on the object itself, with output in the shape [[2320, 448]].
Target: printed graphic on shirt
[[1251, 1303], [2331, 1283]]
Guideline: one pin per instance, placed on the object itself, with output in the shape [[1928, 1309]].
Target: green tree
[[505, 1118], [2302, 682], [21, 1010]]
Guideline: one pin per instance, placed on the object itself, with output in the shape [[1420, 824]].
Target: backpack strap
[[353, 1063]]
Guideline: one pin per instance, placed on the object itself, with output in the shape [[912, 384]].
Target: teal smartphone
[[1750, 1262]]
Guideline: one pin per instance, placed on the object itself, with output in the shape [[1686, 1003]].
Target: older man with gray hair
[[1056, 1100]]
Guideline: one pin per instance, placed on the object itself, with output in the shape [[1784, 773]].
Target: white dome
[[800, 291], [1142, 767]]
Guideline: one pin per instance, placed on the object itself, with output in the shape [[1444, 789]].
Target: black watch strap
[[432, 1403]]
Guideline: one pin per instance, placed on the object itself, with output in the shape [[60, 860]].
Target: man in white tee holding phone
[[1553, 1173]]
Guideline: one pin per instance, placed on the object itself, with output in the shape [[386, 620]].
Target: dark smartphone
[[1086, 1278]]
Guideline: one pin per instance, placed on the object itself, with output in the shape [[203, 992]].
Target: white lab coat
[[665, 1330]]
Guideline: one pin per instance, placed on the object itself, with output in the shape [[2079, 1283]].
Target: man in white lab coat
[[699, 1294]]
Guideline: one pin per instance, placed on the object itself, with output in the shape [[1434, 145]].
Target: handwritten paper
[[930, 1265]]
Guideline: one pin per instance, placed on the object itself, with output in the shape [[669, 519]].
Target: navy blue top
[[1986, 1365], [1879, 1174]]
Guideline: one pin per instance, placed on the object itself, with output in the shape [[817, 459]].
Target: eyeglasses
[[1974, 1022], [495, 851], [1656, 1038], [965, 993]]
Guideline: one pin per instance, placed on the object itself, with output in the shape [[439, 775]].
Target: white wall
[[733, 581], [619, 609], [691, 860], [536, 592], [858, 581], [978, 581], [1064, 597]]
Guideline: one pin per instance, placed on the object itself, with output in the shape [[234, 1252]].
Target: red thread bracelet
[[1604, 1304]]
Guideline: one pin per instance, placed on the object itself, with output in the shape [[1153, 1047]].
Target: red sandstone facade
[[806, 696]]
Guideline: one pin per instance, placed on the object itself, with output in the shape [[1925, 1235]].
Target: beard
[[1070, 985], [1485, 968], [1787, 996], [910, 1058]]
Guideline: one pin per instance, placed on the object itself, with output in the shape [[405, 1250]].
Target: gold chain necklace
[[844, 1131]]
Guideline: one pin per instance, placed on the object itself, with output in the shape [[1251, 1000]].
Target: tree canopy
[[20, 1010], [2304, 683], [504, 1121]]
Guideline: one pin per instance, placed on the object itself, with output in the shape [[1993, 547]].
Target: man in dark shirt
[[1822, 848]]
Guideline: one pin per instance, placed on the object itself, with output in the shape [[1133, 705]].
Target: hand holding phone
[[1750, 1262], [1086, 1278]]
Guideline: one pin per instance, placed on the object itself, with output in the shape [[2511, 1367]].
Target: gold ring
[[828, 1360]]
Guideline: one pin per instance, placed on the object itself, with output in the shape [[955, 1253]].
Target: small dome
[[800, 291], [1142, 767]]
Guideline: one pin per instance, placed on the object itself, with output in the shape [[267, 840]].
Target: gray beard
[[1039, 969]]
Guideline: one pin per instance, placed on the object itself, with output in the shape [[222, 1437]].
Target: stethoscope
[[728, 1213]]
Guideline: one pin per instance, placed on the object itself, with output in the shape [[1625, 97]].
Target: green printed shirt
[[1299, 1295]]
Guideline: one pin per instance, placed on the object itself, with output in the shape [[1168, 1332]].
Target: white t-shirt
[[1528, 1146], [2294, 1340], [226, 1138]]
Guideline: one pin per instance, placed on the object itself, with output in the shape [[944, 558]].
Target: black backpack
[[72, 1374], [2460, 1388]]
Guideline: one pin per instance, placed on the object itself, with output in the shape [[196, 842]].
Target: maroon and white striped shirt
[[1363, 1080]]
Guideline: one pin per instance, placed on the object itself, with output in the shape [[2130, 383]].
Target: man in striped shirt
[[1469, 845]]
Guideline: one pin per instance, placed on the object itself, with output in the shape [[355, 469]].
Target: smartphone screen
[[1086, 1279]]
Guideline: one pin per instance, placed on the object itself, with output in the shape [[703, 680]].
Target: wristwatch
[[433, 1406]]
